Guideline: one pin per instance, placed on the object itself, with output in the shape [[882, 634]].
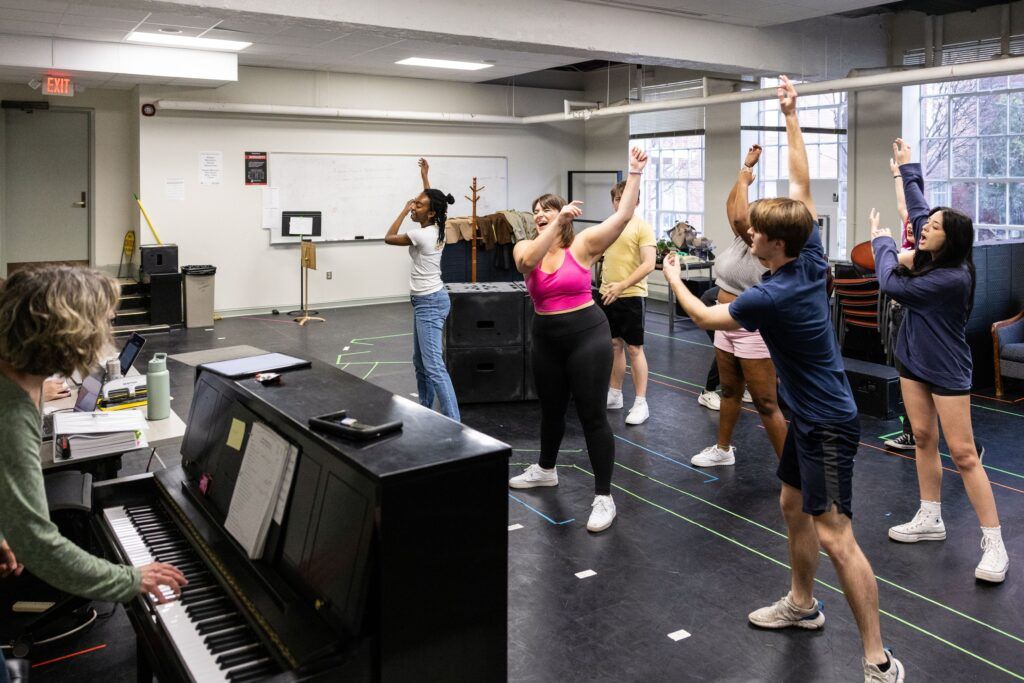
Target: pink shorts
[[742, 344]]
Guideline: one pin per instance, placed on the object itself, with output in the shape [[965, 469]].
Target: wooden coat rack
[[475, 196]]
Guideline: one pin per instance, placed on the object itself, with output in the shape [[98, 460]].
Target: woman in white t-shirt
[[430, 302]]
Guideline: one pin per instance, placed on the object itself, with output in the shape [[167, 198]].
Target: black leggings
[[572, 355]]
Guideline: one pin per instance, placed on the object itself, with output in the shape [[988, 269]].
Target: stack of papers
[[261, 491], [92, 434]]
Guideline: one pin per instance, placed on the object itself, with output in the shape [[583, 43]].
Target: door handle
[[80, 204]]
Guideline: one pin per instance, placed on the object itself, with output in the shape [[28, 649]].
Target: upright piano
[[389, 562]]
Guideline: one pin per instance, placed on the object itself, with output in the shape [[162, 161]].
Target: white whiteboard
[[360, 195]]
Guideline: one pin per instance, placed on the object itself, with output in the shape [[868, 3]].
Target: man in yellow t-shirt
[[623, 292]]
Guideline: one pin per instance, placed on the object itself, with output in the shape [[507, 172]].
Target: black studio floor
[[690, 550]]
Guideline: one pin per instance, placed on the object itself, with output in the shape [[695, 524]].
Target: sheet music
[[286, 485], [257, 488]]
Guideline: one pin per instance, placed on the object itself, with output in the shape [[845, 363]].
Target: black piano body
[[390, 561]]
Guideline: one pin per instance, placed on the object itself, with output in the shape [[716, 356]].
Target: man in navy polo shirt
[[790, 309]]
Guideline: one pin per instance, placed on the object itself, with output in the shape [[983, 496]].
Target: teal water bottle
[[158, 388]]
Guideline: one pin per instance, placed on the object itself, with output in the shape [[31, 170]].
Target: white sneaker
[[746, 396], [894, 674], [535, 475], [924, 527], [712, 456], [994, 562], [603, 514], [638, 414], [784, 613], [711, 400], [614, 399]]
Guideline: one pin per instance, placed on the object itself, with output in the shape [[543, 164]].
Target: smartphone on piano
[[341, 425]]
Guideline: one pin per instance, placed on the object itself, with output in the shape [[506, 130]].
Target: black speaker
[[486, 375], [165, 299], [484, 314], [876, 388], [159, 258]]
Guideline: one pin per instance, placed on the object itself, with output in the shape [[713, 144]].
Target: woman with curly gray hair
[[54, 319]]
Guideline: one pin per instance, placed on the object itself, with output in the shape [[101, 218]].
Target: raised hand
[[787, 95], [894, 168], [900, 151], [753, 156], [670, 268], [160, 574], [637, 160], [747, 176], [8, 562], [876, 231], [424, 166], [570, 211]]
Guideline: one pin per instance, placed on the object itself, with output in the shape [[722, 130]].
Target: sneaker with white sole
[[994, 561], [747, 397], [535, 475], [924, 527], [894, 674], [903, 442], [711, 400], [713, 456], [602, 515], [784, 613], [614, 399], [638, 414]]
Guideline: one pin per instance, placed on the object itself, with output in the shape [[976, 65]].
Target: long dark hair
[[954, 253], [439, 202]]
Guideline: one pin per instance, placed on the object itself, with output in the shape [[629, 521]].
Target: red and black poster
[[255, 168]]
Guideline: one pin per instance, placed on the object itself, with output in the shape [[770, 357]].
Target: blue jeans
[[432, 380], [4, 678]]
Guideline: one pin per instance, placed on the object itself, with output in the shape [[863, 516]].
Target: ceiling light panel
[[187, 41], [443, 64]]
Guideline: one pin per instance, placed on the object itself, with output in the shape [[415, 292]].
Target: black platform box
[[486, 375], [876, 388], [158, 259], [484, 314]]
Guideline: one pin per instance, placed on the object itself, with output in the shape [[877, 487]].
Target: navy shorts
[[818, 460]]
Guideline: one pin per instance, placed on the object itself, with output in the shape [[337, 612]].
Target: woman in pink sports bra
[[571, 349]]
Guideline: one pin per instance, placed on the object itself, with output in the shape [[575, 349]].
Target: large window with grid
[[823, 120], [972, 151], [672, 188]]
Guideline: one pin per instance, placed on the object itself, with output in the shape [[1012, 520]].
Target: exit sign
[[58, 85]]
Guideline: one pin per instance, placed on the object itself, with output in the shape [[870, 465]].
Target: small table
[[687, 267]]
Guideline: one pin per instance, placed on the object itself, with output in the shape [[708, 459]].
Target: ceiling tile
[[81, 9], [36, 5]]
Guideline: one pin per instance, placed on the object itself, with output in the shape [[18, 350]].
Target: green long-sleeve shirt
[[25, 519]]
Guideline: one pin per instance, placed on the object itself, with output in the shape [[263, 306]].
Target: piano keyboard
[[214, 641]]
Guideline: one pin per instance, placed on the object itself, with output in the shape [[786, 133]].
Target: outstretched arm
[[799, 175], [529, 253], [601, 236], [913, 187], [706, 317], [737, 207], [393, 238], [424, 173], [901, 200]]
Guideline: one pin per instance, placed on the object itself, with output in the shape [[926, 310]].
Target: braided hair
[[439, 202]]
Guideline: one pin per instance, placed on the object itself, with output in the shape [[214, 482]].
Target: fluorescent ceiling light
[[444, 64], [186, 41]]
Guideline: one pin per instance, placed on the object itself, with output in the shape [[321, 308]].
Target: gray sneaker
[[784, 613], [894, 674]]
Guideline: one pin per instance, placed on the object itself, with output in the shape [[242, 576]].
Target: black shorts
[[818, 460], [626, 318], [934, 388]]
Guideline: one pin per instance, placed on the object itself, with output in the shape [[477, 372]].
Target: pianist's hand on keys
[[159, 574]]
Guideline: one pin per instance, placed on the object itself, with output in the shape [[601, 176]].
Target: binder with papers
[[86, 435]]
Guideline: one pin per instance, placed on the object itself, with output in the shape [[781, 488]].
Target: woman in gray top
[[742, 356], [54, 319]]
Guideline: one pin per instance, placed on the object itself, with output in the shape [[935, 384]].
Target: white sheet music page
[[257, 488]]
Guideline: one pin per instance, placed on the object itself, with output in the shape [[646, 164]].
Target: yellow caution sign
[[128, 247]]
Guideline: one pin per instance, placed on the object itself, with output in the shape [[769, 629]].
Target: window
[[672, 188], [823, 119]]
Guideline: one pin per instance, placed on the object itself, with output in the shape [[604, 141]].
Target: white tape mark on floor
[[585, 574], [679, 635], [346, 348], [513, 527]]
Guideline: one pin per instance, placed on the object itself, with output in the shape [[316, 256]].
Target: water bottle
[[158, 388]]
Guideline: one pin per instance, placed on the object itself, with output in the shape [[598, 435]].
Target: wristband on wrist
[[897, 176], [636, 173]]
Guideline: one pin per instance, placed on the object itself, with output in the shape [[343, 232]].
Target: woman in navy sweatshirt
[[937, 292]]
